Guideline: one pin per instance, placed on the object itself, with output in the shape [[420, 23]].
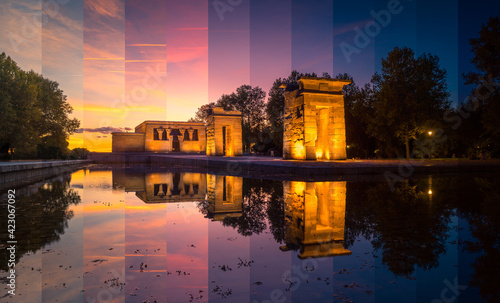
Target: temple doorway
[[176, 145]]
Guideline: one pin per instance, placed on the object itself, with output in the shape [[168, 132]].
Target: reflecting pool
[[138, 234]]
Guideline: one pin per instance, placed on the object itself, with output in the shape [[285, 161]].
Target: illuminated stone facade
[[224, 134], [165, 187], [162, 136], [314, 125], [225, 196], [315, 218]]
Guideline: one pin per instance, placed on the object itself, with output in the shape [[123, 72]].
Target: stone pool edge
[[16, 174], [266, 166]]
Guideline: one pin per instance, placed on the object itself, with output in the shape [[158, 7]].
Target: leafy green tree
[[410, 97], [250, 101], [33, 113], [485, 97]]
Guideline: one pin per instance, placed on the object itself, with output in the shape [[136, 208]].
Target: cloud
[[145, 44], [339, 30], [103, 130], [20, 33], [108, 8], [192, 28], [119, 109]]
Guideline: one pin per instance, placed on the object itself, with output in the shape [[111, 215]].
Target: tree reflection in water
[[409, 226], [41, 217], [482, 211], [262, 206]]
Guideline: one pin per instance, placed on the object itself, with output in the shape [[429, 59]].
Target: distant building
[[222, 136]]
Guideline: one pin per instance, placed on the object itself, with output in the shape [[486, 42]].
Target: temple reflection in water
[[225, 196], [315, 218], [314, 211]]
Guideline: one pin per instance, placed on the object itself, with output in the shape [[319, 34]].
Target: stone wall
[[127, 142], [16, 174]]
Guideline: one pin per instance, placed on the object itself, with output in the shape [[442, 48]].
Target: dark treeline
[[404, 111], [34, 120]]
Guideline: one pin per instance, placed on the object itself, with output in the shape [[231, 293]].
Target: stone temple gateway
[[314, 127], [314, 124]]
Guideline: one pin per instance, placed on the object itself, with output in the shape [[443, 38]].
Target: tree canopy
[[483, 104], [250, 101], [410, 97], [34, 113]]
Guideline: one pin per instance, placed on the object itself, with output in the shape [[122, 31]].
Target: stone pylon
[[314, 124]]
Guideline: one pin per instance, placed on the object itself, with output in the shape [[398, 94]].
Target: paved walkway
[[267, 166]]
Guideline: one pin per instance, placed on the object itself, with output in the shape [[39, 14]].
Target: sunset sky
[[121, 62]]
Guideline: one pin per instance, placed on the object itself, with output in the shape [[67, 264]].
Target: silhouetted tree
[[34, 113], [485, 97], [410, 97], [359, 143]]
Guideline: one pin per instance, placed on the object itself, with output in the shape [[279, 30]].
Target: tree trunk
[[407, 143]]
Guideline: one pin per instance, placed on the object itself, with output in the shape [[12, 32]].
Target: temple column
[[181, 139]]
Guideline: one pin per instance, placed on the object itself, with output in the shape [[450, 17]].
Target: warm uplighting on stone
[[314, 127], [315, 217], [162, 137], [225, 196], [224, 133], [222, 136], [162, 187]]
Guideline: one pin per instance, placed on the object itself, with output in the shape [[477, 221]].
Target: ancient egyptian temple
[[314, 127], [220, 137], [314, 124]]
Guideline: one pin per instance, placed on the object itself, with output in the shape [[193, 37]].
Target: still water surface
[[138, 235]]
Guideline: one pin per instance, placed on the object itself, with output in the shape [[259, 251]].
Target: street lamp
[[430, 134]]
